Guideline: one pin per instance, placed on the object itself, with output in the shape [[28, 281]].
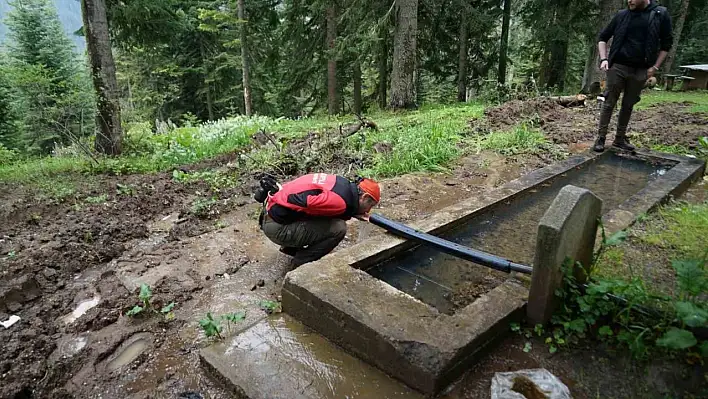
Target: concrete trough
[[413, 341]]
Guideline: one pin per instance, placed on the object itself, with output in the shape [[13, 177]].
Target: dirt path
[[59, 258]]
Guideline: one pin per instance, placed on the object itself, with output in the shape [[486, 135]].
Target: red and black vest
[[314, 195]]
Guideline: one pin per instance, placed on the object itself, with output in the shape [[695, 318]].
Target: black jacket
[[659, 33]]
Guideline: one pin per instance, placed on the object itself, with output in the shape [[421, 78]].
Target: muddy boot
[[599, 144], [290, 251], [623, 144]]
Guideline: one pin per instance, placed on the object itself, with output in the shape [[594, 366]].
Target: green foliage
[[691, 277], [676, 338], [213, 327], [424, 140], [204, 207], [522, 139], [145, 295], [7, 156], [210, 326], [680, 228], [167, 311], [136, 310], [97, 200], [594, 311], [49, 100], [217, 181], [269, 306], [655, 98]]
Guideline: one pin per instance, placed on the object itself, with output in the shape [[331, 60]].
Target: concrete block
[[566, 231], [279, 358]]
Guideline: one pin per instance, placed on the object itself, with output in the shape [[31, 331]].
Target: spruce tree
[[48, 78]]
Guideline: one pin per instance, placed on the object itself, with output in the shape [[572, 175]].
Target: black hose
[[442, 245]]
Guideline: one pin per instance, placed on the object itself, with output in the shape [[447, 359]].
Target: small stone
[[207, 278], [48, 272], [13, 307], [260, 283]]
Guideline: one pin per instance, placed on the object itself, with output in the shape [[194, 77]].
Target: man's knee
[[339, 229]]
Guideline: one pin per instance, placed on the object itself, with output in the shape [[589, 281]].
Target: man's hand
[[651, 71], [363, 218], [604, 65]]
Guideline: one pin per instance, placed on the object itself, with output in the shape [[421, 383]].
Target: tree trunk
[[246, 70], [209, 102], [403, 92], [103, 71], [383, 68], [558, 61], [331, 63], [592, 74], [357, 88], [678, 29], [504, 46], [557, 51], [462, 64]]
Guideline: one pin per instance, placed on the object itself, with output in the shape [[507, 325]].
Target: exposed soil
[[573, 127], [56, 256]]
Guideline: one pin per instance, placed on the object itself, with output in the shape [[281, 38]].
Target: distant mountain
[[69, 14]]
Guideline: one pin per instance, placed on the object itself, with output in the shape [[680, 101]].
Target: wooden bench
[[670, 79]]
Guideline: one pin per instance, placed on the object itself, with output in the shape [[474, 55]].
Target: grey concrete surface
[[566, 233]]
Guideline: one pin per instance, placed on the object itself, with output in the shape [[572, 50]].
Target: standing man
[[642, 38], [307, 215]]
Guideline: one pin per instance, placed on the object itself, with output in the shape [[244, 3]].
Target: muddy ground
[[57, 256]]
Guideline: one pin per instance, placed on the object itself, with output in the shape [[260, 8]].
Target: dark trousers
[[621, 78], [313, 238]]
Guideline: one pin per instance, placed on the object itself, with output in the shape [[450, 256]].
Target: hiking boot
[[623, 144], [290, 251], [599, 144]]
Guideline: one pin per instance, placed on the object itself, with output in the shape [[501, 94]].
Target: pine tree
[[47, 77]]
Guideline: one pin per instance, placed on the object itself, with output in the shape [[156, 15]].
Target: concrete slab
[[407, 338], [278, 357], [566, 232]]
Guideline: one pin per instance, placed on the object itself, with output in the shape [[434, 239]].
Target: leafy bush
[[596, 311], [7, 156]]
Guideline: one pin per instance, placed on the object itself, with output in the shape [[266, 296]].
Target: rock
[[260, 283], [190, 395], [533, 383], [567, 230], [49, 272], [13, 307]]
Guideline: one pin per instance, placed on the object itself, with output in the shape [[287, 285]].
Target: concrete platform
[[411, 340], [278, 357]]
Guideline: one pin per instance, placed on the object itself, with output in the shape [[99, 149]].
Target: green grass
[[423, 140], [681, 229], [699, 99], [521, 139], [674, 232]]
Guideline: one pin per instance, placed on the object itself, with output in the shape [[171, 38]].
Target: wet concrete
[[278, 357]]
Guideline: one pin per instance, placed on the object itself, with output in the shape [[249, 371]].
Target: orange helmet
[[372, 188]]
